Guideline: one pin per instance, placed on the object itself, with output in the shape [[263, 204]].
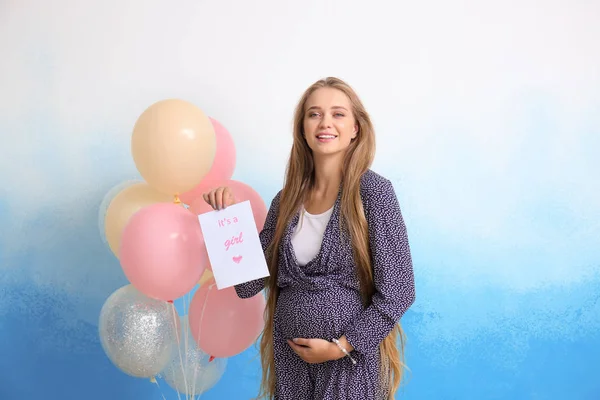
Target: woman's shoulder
[[276, 199], [376, 188], [372, 180]]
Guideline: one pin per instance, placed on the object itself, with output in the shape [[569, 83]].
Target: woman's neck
[[328, 175]]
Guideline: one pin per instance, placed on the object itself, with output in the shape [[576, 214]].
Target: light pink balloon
[[199, 206], [162, 251], [241, 191], [223, 324], [223, 164]]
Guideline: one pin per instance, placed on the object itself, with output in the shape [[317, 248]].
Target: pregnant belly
[[316, 314]]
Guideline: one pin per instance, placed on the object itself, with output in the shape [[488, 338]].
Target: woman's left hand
[[315, 351]]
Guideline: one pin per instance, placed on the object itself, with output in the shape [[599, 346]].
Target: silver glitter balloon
[[137, 332], [189, 370]]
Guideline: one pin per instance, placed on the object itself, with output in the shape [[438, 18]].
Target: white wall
[[486, 116]]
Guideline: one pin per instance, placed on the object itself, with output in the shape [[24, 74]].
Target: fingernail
[[295, 340]]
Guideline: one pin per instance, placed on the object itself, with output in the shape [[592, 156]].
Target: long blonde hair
[[299, 179]]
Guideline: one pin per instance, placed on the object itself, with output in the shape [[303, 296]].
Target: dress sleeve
[[252, 288], [392, 270]]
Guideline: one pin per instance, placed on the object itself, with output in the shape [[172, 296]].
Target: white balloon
[[189, 370]]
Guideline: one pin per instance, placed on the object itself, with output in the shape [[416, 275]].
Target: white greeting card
[[233, 245]]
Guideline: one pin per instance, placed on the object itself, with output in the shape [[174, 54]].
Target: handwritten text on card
[[233, 245]]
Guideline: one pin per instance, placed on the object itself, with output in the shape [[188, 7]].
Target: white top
[[308, 235]]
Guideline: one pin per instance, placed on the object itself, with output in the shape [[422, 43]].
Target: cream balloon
[[173, 145], [108, 198], [126, 203]]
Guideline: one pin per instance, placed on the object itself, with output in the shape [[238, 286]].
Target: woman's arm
[[392, 268]]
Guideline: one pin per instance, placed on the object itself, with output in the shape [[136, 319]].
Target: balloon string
[[187, 299], [185, 341], [153, 380], [173, 372], [179, 347], [199, 331]]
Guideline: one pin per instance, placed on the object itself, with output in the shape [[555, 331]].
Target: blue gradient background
[[487, 122]]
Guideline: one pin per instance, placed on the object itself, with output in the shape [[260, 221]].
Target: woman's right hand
[[220, 198]]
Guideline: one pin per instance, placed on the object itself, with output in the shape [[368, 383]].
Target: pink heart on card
[[237, 259]]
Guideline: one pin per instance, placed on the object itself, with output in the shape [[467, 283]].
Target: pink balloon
[[245, 192], [199, 206], [223, 324], [223, 164], [162, 251], [242, 192]]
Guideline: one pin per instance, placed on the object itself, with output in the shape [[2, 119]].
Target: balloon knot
[[177, 200], [170, 301], [153, 380], [211, 358]]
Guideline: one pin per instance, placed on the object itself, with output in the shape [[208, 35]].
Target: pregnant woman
[[341, 274]]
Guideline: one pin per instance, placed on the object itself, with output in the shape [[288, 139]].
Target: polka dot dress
[[322, 300]]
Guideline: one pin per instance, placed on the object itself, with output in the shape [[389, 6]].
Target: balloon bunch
[[152, 227]]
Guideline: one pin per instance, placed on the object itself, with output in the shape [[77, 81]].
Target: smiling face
[[329, 124]]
